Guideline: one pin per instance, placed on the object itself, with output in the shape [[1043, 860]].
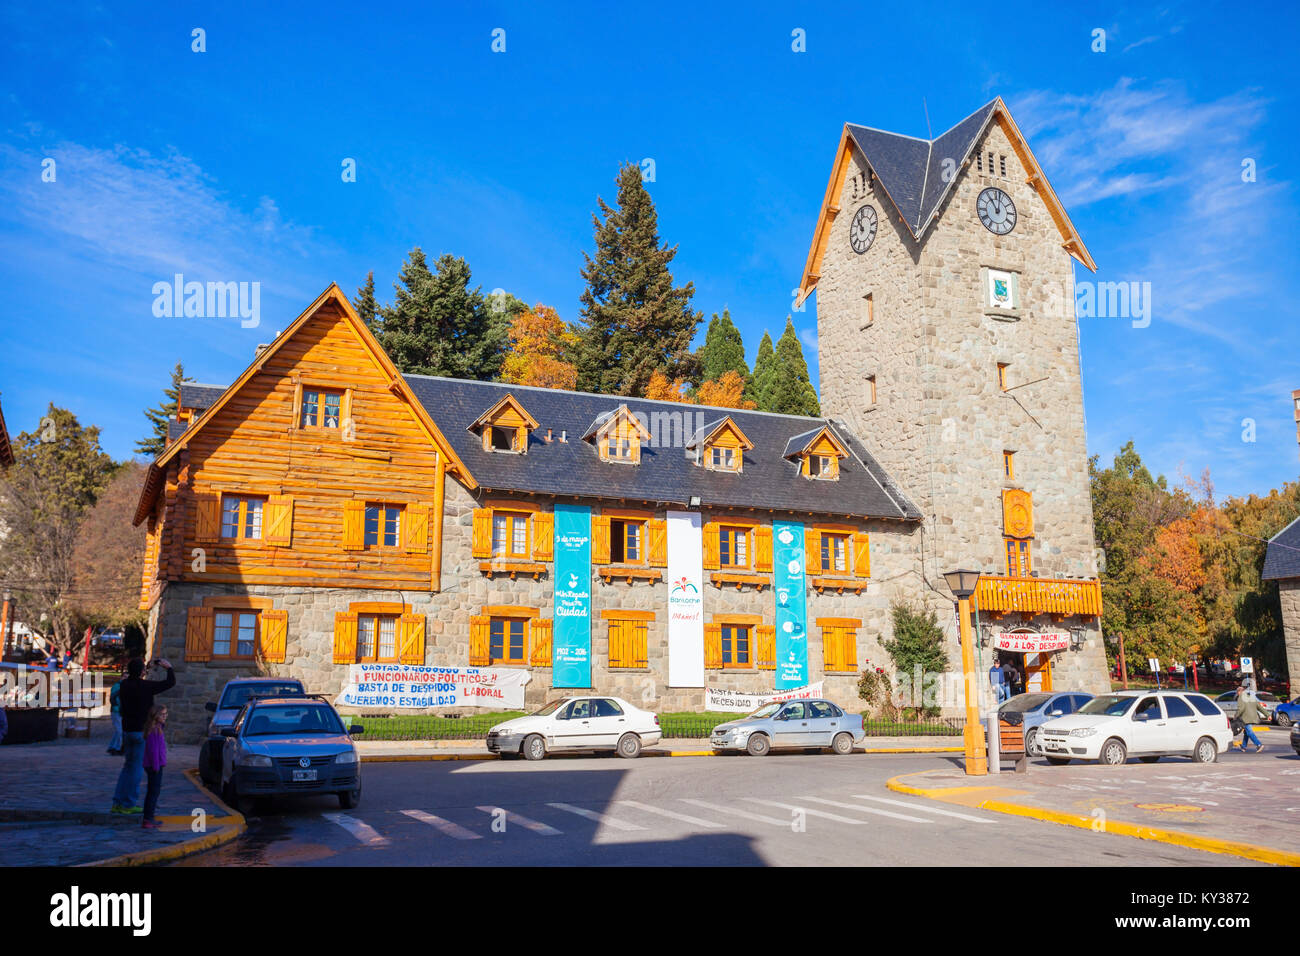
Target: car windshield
[[766, 710], [1112, 705], [292, 720], [1023, 703], [237, 695], [551, 708]]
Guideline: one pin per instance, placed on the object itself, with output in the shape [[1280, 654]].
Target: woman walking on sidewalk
[[155, 758]]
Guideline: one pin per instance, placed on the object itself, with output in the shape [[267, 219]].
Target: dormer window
[[723, 459], [617, 436], [502, 439], [720, 446], [822, 466], [322, 408], [505, 427], [618, 449], [818, 452]]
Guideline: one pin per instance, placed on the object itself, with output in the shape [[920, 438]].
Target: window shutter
[[479, 633], [482, 543], [274, 636], [543, 536], [540, 632], [415, 528], [656, 530], [616, 644], [279, 521], [411, 640], [812, 551], [766, 655], [345, 637], [713, 646], [198, 635], [354, 525], [712, 559], [207, 517], [346, 424], [600, 539], [763, 548], [862, 555], [830, 649]]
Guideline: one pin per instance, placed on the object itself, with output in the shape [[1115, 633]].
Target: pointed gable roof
[[494, 412], [706, 433]]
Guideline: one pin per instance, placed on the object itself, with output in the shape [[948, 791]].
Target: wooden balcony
[[1060, 597]]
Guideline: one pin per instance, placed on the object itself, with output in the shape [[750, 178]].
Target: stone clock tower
[[944, 272]]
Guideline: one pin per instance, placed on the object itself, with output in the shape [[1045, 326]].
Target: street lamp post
[[962, 584]]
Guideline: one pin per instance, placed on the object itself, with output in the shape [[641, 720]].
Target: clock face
[[863, 231], [996, 211]]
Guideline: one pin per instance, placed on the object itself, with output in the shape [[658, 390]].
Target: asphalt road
[[786, 809]]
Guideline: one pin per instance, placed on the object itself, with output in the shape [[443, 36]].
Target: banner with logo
[[685, 600], [403, 687], [1031, 642], [791, 605], [571, 633], [729, 701]]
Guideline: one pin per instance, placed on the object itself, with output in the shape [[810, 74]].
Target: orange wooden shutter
[[712, 551], [480, 629], [411, 639], [415, 529], [617, 649], [830, 649], [812, 551], [766, 656], [713, 646], [600, 539], [198, 634], [763, 548], [279, 521], [274, 636], [656, 530], [345, 637], [354, 525], [207, 517], [543, 536], [482, 543], [862, 555], [540, 632]]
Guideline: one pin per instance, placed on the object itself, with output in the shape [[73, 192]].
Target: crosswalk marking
[[512, 817], [364, 832], [862, 809], [593, 815], [446, 826], [684, 818], [735, 811], [925, 809], [812, 813]]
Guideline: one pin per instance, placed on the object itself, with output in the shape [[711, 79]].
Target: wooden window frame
[[871, 382], [831, 472], [749, 637], [512, 515], [737, 456], [751, 623], [377, 616], [302, 387], [1002, 375], [1009, 465], [517, 436], [384, 508], [870, 306], [643, 538], [1023, 549], [234, 609], [242, 519], [845, 537], [512, 618], [612, 439], [748, 531]]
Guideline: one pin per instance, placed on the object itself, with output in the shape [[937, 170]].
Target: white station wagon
[[1144, 724], [577, 723]]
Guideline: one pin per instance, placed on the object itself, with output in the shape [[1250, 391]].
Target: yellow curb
[[1248, 851], [222, 835]]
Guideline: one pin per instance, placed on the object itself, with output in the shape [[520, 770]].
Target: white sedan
[[1144, 724], [577, 723]]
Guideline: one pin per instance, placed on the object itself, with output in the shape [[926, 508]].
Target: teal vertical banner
[[571, 632], [791, 605]]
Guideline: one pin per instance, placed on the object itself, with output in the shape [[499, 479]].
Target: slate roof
[[911, 169], [201, 397], [1282, 560], [176, 429], [665, 474]]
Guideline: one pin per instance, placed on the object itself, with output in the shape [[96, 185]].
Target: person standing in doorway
[[136, 697], [1011, 677], [999, 684]]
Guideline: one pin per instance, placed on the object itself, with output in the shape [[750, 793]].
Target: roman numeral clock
[[996, 211], [862, 232]]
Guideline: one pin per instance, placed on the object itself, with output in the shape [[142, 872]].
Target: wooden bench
[[1011, 745]]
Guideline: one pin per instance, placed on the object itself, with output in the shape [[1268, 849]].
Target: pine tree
[[791, 390], [723, 351], [764, 373], [365, 305], [634, 320], [156, 443], [437, 325]]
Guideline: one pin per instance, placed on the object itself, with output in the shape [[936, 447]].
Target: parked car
[[1228, 704], [1034, 709], [1287, 714], [226, 708], [1145, 724], [793, 723], [289, 746], [577, 723], [1295, 736]]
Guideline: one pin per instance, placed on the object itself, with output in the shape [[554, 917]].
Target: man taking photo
[[135, 698]]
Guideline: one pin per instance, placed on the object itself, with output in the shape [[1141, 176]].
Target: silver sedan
[[791, 724]]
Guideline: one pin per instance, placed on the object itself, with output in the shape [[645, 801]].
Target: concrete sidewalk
[[384, 750]]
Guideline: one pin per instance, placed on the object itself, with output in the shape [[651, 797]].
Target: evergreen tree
[[764, 373], [438, 325], [156, 443], [723, 351], [366, 306], [634, 320], [791, 389]]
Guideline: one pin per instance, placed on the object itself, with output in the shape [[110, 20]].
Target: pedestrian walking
[[115, 713], [1248, 713], [155, 758], [1012, 678], [999, 685], [136, 697]]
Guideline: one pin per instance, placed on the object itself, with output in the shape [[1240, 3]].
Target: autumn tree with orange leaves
[[539, 343], [726, 392]]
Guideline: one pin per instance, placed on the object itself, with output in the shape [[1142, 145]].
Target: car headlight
[[1083, 731], [255, 760], [348, 756]]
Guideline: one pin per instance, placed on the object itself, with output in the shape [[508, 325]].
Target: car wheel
[[205, 763], [1283, 720], [629, 746], [1207, 751], [842, 744], [1058, 761], [348, 799], [1032, 746], [1148, 759], [1113, 752], [758, 745], [534, 747]]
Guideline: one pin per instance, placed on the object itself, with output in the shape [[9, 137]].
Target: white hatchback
[[577, 723], [1144, 724]]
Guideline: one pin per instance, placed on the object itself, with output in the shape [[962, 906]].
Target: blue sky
[[225, 165]]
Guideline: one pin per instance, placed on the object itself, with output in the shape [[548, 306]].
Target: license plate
[[300, 775], [1052, 746]]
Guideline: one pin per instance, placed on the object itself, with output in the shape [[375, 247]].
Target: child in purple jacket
[[155, 758]]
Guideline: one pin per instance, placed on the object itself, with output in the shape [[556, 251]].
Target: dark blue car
[[1033, 710]]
